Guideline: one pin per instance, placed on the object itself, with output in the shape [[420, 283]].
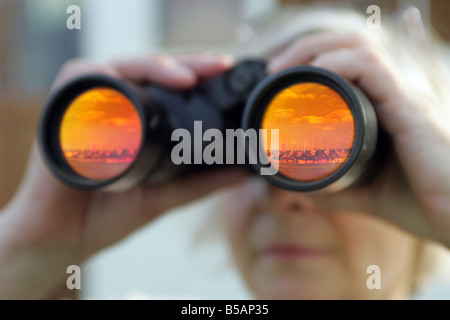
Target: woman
[[287, 245], [290, 245]]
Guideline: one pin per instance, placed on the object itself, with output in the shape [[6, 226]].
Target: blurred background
[[35, 42]]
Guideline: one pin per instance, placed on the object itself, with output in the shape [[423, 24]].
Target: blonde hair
[[402, 33]]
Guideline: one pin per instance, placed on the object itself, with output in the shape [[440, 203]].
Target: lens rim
[[365, 126], [49, 134]]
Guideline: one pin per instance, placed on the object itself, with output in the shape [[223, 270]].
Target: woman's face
[[288, 245]]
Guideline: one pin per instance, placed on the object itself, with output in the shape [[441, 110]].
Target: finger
[[389, 204], [309, 47], [36, 173], [191, 188], [78, 67], [160, 69], [40, 199], [206, 65], [375, 74]]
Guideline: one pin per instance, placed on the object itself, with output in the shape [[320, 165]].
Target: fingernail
[[175, 68], [183, 72], [275, 64], [227, 60]]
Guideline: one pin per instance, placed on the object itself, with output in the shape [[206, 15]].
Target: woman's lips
[[283, 252]]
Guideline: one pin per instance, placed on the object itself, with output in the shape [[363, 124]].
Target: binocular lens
[[316, 131], [100, 134], [326, 128]]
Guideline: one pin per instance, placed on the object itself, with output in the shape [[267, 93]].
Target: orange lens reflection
[[100, 134], [316, 131]]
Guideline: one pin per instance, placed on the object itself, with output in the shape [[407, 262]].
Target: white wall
[[164, 260], [114, 28]]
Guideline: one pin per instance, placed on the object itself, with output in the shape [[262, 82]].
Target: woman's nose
[[288, 202]]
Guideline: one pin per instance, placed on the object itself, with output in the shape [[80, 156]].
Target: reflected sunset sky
[[310, 116], [101, 119]]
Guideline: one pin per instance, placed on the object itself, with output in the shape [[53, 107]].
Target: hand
[[49, 226], [413, 190]]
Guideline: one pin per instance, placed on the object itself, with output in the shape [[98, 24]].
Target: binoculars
[[303, 129]]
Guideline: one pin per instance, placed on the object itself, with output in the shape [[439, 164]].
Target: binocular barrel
[[312, 128]]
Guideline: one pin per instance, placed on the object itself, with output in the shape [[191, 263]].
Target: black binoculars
[[302, 129]]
